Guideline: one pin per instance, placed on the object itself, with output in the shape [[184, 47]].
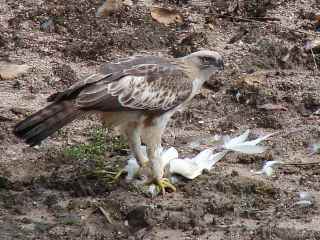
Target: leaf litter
[[166, 16]]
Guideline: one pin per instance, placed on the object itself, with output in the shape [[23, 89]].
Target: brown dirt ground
[[45, 196]]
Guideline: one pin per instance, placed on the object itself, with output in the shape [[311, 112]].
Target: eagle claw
[[118, 175], [164, 183]]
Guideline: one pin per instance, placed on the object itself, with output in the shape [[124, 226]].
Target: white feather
[[206, 159], [131, 168], [185, 167], [234, 141], [193, 167], [238, 144], [304, 203], [305, 196], [258, 140], [268, 168], [168, 155]]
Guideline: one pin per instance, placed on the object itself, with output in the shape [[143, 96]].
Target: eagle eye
[[207, 61]]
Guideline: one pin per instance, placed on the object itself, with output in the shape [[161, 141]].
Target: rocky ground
[[271, 84]]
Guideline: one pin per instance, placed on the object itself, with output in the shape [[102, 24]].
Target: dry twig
[[106, 214], [301, 164], [314, 60]]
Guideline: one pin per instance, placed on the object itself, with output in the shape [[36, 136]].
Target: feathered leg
[[133, 133], [153, 139]]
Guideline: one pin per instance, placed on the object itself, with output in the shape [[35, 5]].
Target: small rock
[[26, 220], [51, 200], [66, 74], [234, 173], [4, 183], [166, 16], [109, 7], [138, 218], [9, 71], [20, 111]]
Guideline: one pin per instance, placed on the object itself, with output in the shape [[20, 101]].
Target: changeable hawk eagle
[[138, 94]]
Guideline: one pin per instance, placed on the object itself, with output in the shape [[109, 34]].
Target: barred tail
[[45, 122]]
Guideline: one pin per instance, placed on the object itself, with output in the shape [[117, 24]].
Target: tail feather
[[45, 122], [36, 118]]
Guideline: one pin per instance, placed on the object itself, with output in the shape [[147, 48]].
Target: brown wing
[[75, 89], [108, 72], [151, 87]]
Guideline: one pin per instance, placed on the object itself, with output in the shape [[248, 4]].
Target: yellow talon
[[117, 176], [163, 184]]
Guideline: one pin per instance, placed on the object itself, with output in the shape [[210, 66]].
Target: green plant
[[95, 149]]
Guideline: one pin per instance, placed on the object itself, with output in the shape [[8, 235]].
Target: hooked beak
[[220, 64]]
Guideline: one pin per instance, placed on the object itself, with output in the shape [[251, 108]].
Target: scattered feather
[[237, 140], [305, 196], [314, 149], [248, 149], [303, 203], [238, 144], [268, 168], [258, 140], [305, 200]]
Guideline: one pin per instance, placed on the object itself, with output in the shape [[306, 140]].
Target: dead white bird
[[193, 167]]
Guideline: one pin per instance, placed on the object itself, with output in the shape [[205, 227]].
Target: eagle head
[[208, 62]]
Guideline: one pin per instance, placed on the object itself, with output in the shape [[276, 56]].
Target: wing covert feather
[[150, 87]]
